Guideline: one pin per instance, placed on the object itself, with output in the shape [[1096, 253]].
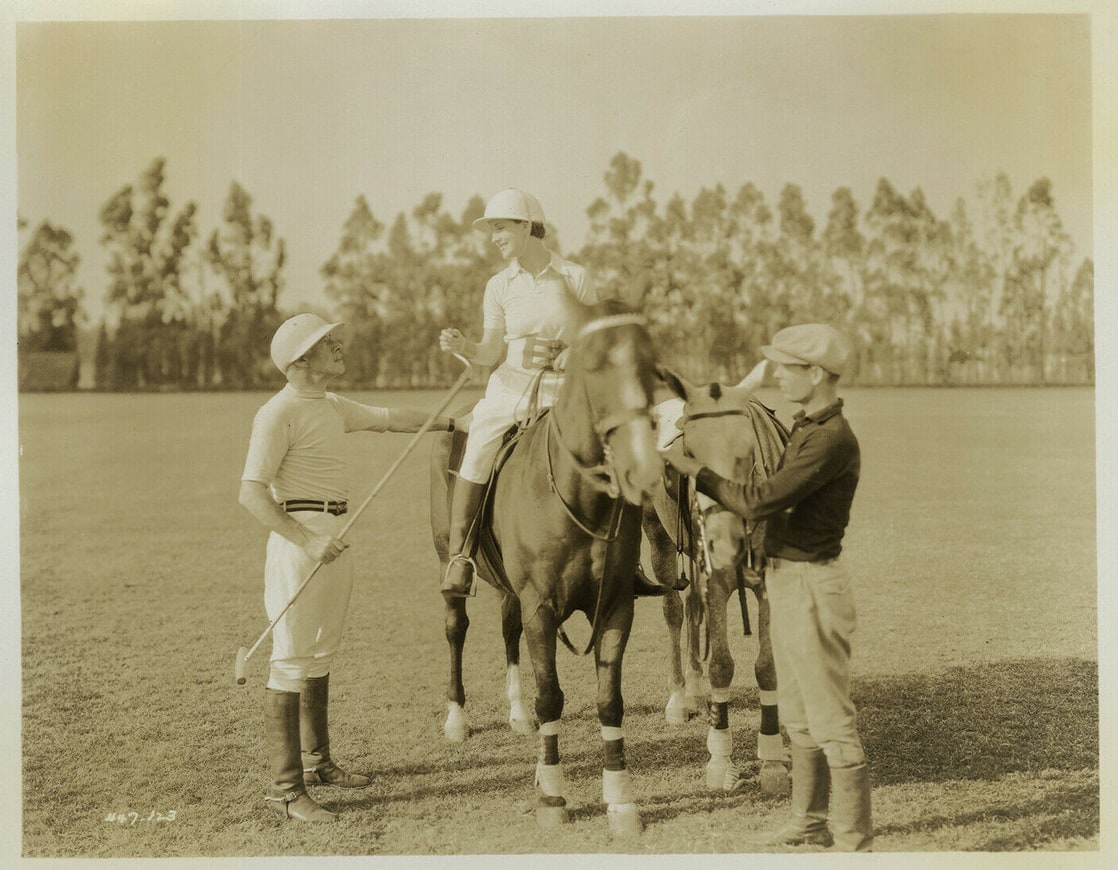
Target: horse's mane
[[595, 343]]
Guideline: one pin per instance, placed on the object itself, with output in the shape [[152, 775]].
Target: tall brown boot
[[850, 809], [458, 582], [287, 796], [811, 787], [318, 767]]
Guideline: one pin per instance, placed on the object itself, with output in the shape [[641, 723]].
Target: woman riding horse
[[534, 306], [561, 533]]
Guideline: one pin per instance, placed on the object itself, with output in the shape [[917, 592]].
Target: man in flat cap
[[807, 505]]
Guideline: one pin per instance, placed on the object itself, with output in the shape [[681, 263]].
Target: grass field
[[976, 675]]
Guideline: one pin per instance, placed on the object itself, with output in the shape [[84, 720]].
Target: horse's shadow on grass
[[969, 723], [1077, 817], [981, 723]]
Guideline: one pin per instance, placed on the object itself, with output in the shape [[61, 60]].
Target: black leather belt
[[337, 508]]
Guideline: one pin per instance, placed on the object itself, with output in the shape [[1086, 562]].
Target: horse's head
[[726, 429], [612, 364]]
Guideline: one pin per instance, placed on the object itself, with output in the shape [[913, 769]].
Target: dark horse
[[739, 438], [562, 534]]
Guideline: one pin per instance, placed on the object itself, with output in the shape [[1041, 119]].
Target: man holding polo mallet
[[295, 482]]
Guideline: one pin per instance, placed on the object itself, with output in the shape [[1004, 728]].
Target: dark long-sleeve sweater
[[806, 502]]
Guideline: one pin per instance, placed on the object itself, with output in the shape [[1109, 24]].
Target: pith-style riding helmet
[[296, 336], [511, 204]]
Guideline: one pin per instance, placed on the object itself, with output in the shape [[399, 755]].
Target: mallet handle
[[454, 390]]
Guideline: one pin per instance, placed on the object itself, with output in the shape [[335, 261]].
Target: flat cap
[[814, 344]]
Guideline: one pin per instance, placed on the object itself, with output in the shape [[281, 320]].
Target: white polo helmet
[[511, 204], [296, 336]]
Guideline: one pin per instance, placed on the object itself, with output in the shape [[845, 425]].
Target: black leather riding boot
[[287, 797], [811, 791], [458, 581], [643, 585], [318, 767]]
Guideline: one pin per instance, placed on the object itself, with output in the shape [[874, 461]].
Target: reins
[[696, 519], [593, 476], [690, 513], [600, 477]]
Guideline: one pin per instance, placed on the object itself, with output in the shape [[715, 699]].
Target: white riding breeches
[[305, 640], [506, 400]]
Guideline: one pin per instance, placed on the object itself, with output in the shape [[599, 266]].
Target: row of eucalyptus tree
[[989, 294], [993, 298]]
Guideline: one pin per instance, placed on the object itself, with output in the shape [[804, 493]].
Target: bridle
[[698, 513], [602, 476]]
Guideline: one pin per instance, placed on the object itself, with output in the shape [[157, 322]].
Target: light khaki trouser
[[813, 617]]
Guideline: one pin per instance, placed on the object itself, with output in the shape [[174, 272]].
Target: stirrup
[[453, 585]]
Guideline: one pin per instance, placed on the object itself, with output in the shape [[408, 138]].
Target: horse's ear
[[756, 378], [674, 382]]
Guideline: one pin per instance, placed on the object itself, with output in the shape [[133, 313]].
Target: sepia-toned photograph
[[601, 433]]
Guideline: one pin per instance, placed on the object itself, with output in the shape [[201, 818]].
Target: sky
[[307, 115]]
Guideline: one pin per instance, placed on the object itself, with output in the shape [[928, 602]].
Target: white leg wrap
[[768, 697], [519, 719], [770, 747], [512, 684], [456, 727], [696, 684], [617, 787], [720, 696], [610, 732], [549, 729], [720, 742], [676, 710], [550, 780]]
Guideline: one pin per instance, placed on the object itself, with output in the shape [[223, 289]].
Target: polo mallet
[[243, 655]]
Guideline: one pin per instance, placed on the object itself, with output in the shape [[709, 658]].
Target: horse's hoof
[[676, 712], [624, 820], [774, 778], [551, 813], [724, 776]]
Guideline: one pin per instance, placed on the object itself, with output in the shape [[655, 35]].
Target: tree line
[[990, 294]]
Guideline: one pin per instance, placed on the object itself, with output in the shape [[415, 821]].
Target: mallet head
[[240, 665]]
